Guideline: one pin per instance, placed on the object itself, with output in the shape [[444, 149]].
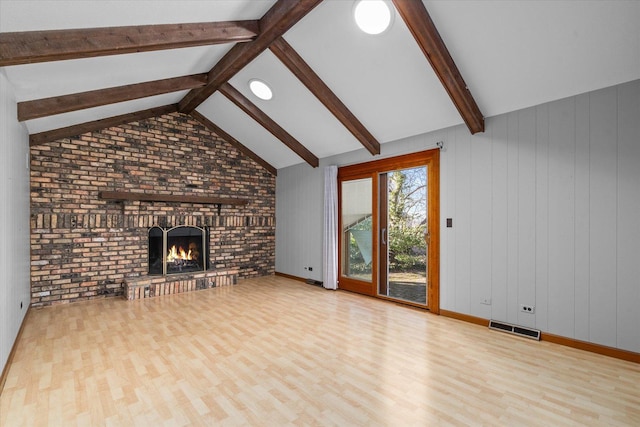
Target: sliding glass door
[[389, 216], [404, 234], [357, 220]]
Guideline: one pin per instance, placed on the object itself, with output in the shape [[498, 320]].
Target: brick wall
[[83, 247]]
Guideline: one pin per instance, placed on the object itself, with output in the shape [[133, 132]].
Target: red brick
[[103, 243]]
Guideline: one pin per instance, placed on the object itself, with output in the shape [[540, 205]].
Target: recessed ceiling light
[[260, 89], [372, 16]]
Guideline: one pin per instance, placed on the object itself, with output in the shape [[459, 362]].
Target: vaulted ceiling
[[336, 89]]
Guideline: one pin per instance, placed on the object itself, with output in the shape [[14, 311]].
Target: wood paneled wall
[[301, 186], [544, 207], [14, 221]]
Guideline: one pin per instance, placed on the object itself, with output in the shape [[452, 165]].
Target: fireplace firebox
[[181, 249]]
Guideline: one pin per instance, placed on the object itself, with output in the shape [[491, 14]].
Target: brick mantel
[[84, 247]]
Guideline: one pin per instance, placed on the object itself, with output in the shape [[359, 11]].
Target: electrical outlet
[[531, 309], [485, 301]]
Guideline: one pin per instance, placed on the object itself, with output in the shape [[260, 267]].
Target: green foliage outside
[[407, 220]]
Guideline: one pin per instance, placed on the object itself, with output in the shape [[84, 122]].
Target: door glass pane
[[357, 229], [404, 236]]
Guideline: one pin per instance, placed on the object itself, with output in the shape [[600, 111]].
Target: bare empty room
[[320, 212]]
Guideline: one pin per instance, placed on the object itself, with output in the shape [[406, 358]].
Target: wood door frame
[[348, 283], [383, 214], [428, 158]]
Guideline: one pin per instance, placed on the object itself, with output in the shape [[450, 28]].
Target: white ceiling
[[512, 55]]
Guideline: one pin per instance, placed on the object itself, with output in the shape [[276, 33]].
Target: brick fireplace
[[84, 246], [178, 250]]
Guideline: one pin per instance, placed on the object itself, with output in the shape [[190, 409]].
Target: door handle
[[382, 236]]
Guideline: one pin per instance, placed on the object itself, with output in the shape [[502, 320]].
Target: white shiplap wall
[[545, 207], [14, 221]]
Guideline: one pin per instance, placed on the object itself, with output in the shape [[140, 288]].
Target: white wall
[[298, 186], [545, 207], [14, 221]]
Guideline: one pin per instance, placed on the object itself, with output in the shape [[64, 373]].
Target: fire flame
[[178, 254]]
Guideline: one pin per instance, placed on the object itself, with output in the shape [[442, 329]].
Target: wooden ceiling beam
[[29, 110], [231, 140], [278, 20], [424, 31], [69, 131], [268, 123], [294, 62], [56, 45]]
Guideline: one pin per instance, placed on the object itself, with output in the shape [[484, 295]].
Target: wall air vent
[[514, 329]]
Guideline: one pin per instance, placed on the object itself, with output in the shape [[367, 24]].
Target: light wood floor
[[276, 352]]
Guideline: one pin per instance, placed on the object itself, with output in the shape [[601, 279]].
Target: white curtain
[[330, 241]]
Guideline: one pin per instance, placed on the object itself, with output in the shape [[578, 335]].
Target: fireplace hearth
[[178, 250]]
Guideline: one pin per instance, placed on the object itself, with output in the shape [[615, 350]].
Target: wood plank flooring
[[275, 352]]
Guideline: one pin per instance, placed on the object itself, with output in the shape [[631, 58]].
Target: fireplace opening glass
[[181, 249]]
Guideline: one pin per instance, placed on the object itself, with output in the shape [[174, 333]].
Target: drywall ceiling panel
[[247, 131], [105, 111], [43, 80], [514, 55], [385, 79], [21, 15], [295, 108]]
